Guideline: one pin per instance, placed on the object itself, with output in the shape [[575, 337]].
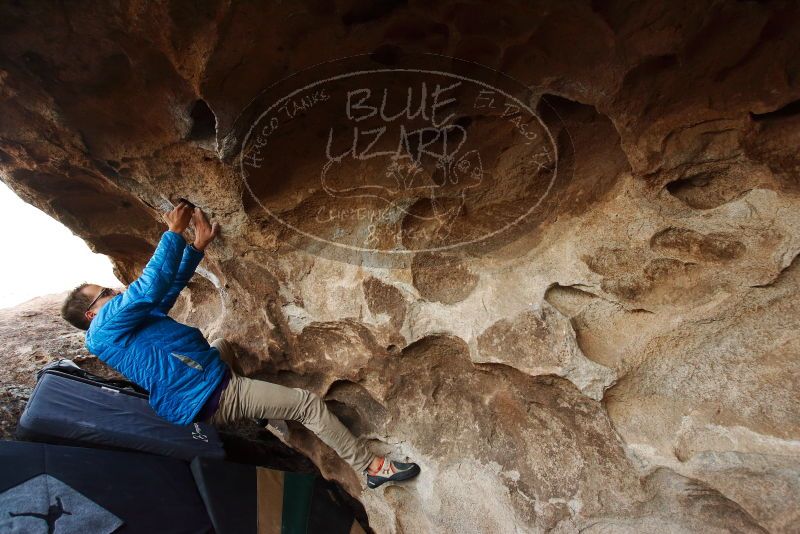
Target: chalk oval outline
[[384, 71]]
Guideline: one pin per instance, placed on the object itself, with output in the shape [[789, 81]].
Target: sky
[[40, 255]]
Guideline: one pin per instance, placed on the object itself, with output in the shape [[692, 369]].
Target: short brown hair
[[74, 308]]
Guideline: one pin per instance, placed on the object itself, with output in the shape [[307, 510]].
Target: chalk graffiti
[[388, 145]]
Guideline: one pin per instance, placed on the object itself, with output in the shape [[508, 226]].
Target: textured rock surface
[[626, 364]]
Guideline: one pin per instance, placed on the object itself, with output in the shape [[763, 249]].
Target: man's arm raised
[[149, 289], [192, 256]]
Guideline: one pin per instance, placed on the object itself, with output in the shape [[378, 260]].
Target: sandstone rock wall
[[628, 363]]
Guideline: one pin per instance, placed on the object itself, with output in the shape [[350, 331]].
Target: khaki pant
[[245, 398]]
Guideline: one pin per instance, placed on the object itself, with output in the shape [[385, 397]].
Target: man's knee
[[311, 407], [226, 352]]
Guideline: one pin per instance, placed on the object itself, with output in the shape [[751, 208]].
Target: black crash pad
[[81, 410], [245, 499], [96, 491]]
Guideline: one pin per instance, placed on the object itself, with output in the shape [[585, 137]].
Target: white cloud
[[40, 255]]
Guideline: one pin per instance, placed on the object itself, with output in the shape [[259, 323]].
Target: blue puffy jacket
[[133, 334]]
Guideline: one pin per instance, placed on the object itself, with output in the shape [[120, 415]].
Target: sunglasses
[[103, 292]]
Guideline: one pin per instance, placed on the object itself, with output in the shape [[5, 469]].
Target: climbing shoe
[[391, 471]]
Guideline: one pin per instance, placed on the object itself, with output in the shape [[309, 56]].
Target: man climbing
[[187, 378]]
